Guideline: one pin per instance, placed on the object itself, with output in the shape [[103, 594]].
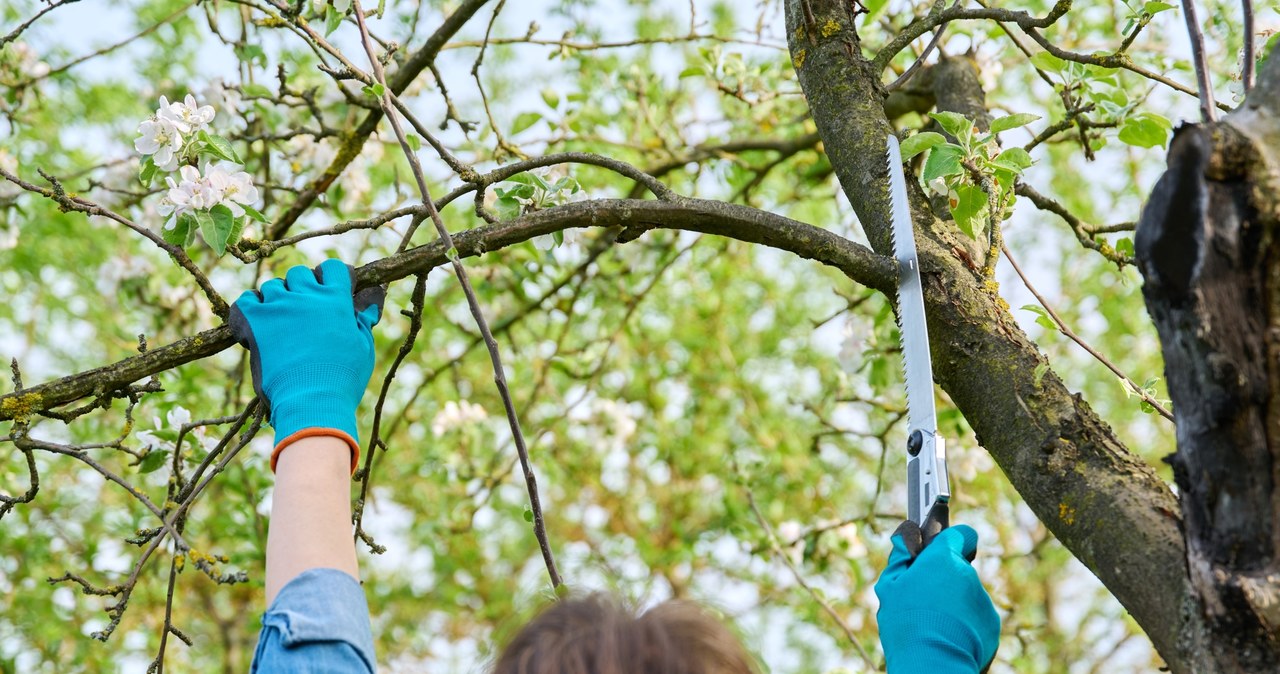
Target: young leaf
[[148, 171], [177, 235], [1048, 62], [415, 143], [1125, 246], [332, 19], [955, 124], [919, 143], [969, 204], [253, 213], [1145, 130], [551, 98], [215, 226], [1042, 316], [943, 161], [452, 254], [1015, 159], [1012, 122], [153, 460], [219, 147], [255, 89], [508, 208], [525, 120]]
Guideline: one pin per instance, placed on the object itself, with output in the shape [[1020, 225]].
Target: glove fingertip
[[962, 539], [370, 316], [334, 273]]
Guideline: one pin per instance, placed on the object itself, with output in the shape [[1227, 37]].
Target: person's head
[[597, 634]]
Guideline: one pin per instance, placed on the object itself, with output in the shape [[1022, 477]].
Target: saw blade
[[916, 365]]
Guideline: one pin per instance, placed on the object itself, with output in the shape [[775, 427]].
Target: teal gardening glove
[[310, 341], [935, 617]]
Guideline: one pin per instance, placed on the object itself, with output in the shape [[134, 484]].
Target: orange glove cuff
[[317, 432]]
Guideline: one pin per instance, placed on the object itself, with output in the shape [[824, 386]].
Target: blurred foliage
[[665, 381]]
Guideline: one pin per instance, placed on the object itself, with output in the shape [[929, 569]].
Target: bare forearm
[[310, 512]]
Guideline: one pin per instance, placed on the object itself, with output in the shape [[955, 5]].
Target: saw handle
[[939, 518]]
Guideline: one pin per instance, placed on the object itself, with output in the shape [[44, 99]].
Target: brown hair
[[597, 634]]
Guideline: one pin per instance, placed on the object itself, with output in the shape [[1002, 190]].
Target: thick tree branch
[[710, 217]]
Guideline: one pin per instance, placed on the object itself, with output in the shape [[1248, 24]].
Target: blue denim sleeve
[[318, 624]]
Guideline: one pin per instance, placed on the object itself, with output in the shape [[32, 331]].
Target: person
[[310, 337]]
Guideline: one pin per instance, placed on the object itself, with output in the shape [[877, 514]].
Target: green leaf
[[551, 98], [1012, 121], [148, 171], [414, 141], [919, 143], [251, 54], [1145, 130], [1048, 62], [1125, 246], [693, 71], [1155, 7], [219, 147], [943, 161], [255, 90], [215, 226], [525, 120], [558, 237], [1015, 159], [1042, 316], [332, 19], [452, 254], [177, 236], [253, 213], [508, 208], [955, 124], [375, 90], [153, 460], [528, 515], [969, 204]]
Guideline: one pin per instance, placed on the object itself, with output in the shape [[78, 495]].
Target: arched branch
[[633, 216]]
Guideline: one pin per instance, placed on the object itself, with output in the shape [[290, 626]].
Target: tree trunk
[[1101, 501], [1208, 248]]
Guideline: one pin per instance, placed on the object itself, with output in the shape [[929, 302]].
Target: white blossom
[[161, 139], [457, 415], [234, 188], [187, 115], [194, 193], [27, 64], [178, 416]]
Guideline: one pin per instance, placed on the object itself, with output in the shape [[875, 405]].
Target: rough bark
[[1208, 248], [1105, 504]]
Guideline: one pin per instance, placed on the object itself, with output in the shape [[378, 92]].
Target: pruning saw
[[928, 491]]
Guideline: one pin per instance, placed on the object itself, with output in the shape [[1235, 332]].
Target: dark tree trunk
[[1208, 248]]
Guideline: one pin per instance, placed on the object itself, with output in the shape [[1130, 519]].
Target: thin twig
[[13, 34], [110, 48], [1250, 58], [1201, 62], [499, 377], [1062, 327], [906, 74], [779, 553]]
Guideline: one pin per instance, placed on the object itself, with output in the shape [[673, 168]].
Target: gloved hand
[[310, 341], [935, 617]]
